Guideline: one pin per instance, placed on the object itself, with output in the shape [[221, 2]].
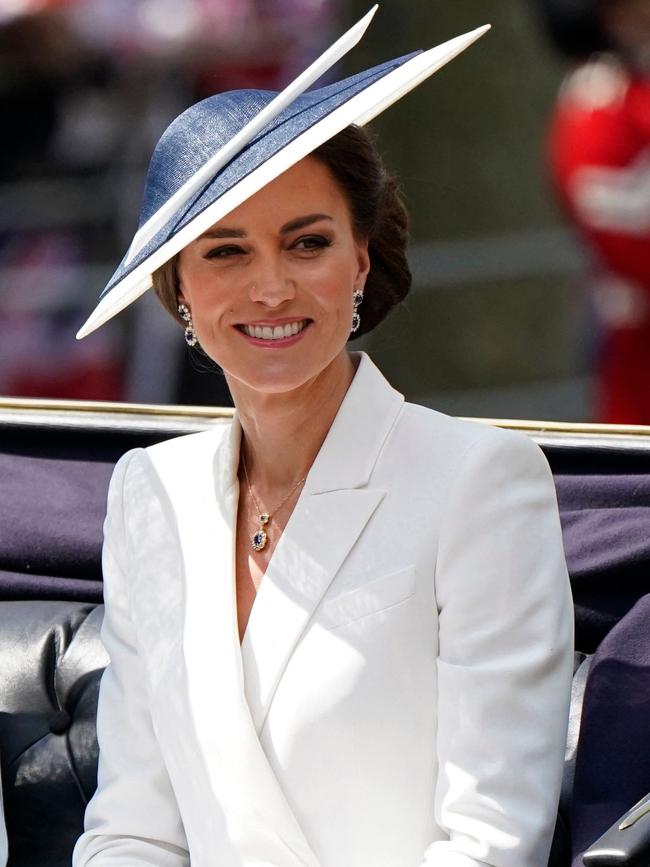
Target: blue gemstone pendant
[[260, 538]]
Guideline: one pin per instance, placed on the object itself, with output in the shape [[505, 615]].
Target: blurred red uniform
[[600, 159]]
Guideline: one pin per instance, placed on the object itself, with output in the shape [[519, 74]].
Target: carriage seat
[[54, 473]]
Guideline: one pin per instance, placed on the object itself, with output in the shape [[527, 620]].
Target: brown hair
[[378, 215]]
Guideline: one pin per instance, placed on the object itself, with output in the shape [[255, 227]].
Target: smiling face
[[270, 286]]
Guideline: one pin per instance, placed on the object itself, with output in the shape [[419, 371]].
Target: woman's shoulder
[[459, 434], [182, 454], [187, 445], [420, 428], [468, 467], [453, 443]]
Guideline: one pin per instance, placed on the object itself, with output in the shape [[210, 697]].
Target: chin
[[264, 386], [277, 375]]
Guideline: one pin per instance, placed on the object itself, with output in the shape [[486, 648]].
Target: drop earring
[[190, 335], [357, 298]]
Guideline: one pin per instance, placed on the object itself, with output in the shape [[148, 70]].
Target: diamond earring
[[190, 335], [357, 298]]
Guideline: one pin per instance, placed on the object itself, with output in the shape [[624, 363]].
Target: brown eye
[[312, 242], [224, 252]]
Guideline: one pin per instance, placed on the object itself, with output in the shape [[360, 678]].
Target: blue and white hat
[[222, 150]]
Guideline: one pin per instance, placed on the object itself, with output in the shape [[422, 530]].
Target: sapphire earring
[[357, 298], [190, 335]]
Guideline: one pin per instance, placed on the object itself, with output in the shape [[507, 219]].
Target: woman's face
[[270, 286]]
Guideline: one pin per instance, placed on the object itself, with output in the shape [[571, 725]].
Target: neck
[[282, 433]]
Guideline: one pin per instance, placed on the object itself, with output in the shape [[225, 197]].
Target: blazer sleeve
[[133, 818], [505, 659]]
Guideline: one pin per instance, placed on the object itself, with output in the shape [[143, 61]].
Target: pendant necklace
[[260, 538]]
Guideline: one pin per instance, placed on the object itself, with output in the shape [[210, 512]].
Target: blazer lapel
[[330, 515], [315, 542], [229, 690], [230, 760]]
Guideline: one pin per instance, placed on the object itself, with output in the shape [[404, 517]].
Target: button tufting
[[60, 722]]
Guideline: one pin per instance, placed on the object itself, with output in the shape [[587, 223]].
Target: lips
[[274, 332]]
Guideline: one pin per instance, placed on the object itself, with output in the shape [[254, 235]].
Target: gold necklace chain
[[260, 538]]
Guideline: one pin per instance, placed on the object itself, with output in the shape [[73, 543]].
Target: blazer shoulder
[[456, 441], [188, 444], [139, 469], [460, 433]]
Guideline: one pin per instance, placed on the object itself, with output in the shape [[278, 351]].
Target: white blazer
[[401, 694]]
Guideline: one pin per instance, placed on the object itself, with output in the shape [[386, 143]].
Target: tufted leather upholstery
[[51, 660]]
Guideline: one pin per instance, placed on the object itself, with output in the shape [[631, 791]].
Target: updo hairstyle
[[378, 215]]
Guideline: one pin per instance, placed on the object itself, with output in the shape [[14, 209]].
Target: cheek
[[334, 279], [207, 294], [334, 295]]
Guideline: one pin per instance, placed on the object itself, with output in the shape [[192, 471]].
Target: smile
[[276, 332]]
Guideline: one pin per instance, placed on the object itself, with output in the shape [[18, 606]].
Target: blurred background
[[503, 319]]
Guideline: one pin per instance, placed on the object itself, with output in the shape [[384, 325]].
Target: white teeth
[[266, 332]]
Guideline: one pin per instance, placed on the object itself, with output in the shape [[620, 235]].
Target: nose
[[270, 285]]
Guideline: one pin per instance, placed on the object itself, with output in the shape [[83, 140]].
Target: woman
[[340, 628]]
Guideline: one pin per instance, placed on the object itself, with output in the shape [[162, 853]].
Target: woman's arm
[[505, 659], [132, 818]]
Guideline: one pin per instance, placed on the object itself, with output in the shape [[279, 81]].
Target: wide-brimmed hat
[[225, 148]]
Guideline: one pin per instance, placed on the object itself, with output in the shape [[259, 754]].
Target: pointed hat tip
[[86, 329], [473, 35]]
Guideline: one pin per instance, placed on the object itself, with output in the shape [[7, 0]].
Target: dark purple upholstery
[[613, 761], [606, 527], [53, 485], [51, 527]]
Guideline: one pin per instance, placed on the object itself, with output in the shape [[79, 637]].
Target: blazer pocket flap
[[373, 596]]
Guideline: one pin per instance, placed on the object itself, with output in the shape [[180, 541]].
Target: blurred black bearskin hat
[[574, 26]]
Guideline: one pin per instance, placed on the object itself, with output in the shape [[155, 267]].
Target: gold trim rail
[[44, 407]]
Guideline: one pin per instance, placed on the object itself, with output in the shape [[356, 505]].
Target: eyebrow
[[291, 226], [223, 232], [301, 222]]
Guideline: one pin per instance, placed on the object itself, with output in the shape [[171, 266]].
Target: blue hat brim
[[201, 123], [311, 119]]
